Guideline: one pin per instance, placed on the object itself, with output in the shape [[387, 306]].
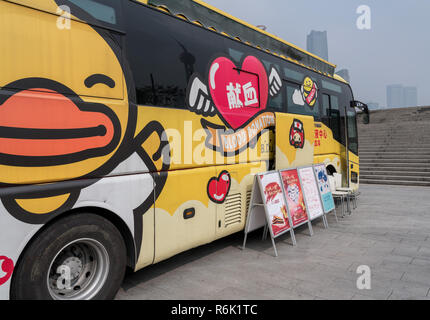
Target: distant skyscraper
[[344, 73], [401, 97], [317, 43], [395, 96], [410, 96]]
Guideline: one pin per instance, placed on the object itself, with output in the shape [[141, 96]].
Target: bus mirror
[[364, 110]]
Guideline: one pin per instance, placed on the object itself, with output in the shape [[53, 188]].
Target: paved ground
[[389, 232]]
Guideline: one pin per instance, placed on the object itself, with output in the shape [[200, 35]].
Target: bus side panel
[[121, 195], [232, 213], [124, 196], [327, 149], [294, 140], [13, 238], [354, 165], [217, 198], [186, 191]]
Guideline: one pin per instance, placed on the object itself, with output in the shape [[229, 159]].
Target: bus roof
[[205, 15]]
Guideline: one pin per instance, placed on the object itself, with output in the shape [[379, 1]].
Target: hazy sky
[[396, 50]]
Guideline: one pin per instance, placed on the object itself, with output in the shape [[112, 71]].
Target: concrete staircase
[[395, 147]]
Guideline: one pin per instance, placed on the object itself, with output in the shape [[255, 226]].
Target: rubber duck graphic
[[309, 91], [68, 115]]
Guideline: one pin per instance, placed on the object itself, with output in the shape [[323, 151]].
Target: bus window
[[331, 86], [274, 103], [335, 117], [326, 109], [164, 54], [293, 75], [352, 131], [295, 101], [236, 55], [103, 10]]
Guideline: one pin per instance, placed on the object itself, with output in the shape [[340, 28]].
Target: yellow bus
[[131, 131]]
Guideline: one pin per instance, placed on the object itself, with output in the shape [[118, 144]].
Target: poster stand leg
[[335, 215], [325, 221], [244, 241], [265, 231], [293, 237], [274, 246], [311, 231]]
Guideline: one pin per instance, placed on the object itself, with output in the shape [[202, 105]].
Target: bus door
[[352, 143]]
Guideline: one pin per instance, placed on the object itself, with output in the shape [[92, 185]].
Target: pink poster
[[294, 196], [311, 193]]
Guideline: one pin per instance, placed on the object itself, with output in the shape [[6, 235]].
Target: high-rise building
[[317, 44], [344, 73], [401, 97], [410, 96], [395, 96]]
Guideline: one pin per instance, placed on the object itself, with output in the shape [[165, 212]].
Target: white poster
[[311, 193]]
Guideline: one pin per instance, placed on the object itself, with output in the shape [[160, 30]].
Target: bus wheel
[[79, 257]]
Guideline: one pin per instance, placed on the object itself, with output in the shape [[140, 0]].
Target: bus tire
[[81, 256]]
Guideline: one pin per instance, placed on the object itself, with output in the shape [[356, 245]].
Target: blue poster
[[324, 187]]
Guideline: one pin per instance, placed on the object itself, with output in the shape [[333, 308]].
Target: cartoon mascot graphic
[[297, 134], [309, 91], [52, 130]]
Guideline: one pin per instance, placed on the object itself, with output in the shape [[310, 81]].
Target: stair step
[[394, 153], [393, 141], [391, 164], [418, 169], [394, 160], [393, 149], [395, 178], [397, 182], [371, 172], [385, 135]]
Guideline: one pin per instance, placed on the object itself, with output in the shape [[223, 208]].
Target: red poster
[[294, 195], [273, 197]]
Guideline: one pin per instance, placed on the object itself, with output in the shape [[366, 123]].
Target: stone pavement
[[389, 232]]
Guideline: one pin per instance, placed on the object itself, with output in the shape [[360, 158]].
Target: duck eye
[[99, 78]]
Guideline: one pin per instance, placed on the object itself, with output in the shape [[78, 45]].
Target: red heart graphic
[[218, 188], [238, 94]]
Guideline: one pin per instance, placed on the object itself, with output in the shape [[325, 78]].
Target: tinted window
[[352, 132], [163, 53], [335, 124], [275, 103], [106, 11], [325, 109], [291, 74], [331, 86], [296, 103]]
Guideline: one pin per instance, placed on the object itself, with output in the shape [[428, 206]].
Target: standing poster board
[[268, 186], [324, 187], [276, 207], [294, 197], [311, 193]]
